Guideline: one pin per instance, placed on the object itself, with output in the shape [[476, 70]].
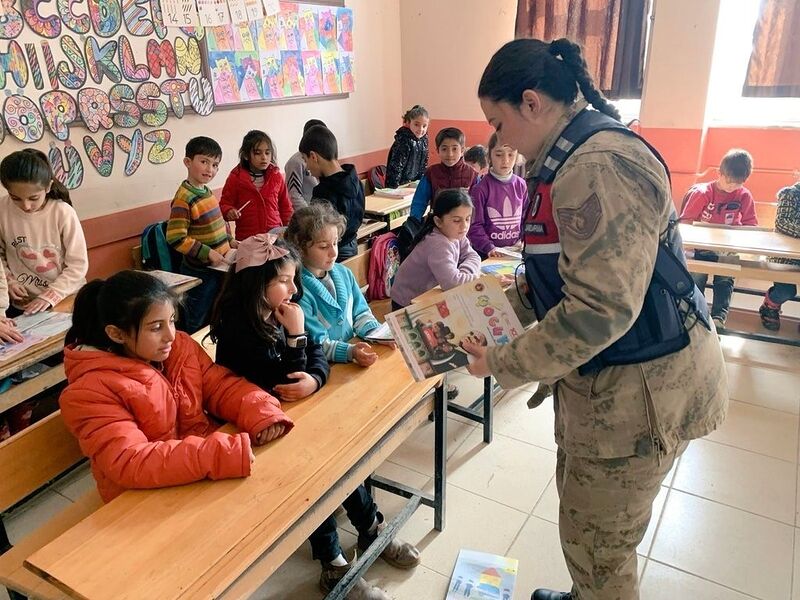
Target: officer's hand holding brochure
[[430, 334]]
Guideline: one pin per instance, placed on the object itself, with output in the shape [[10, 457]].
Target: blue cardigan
[[330, 321]]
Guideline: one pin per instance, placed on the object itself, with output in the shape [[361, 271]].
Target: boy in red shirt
[[724, 201]]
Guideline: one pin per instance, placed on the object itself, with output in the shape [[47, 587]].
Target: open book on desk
[[34, 329], [430, 334]]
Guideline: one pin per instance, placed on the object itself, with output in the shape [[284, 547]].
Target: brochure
[[430, 334], [482, 576]]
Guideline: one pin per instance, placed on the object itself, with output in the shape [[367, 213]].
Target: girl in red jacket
[[255, 194], [141, 397]]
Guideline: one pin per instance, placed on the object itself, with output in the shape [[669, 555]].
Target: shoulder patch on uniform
[[581, 222]]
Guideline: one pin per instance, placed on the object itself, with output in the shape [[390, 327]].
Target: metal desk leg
[[440, 455], [488, 390]]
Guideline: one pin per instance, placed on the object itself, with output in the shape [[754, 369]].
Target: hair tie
[[555, 50], [258, 249]]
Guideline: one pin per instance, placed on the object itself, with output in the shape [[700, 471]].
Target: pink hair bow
[[258, 249]]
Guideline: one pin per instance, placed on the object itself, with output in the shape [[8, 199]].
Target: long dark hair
[[556, 68], [121, 300], [443, 203], [251, 140], [31, 166], [244, 292]]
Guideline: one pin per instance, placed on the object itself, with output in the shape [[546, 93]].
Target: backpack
[[405, 236], [377, 177], [156, 252], [383, 263]]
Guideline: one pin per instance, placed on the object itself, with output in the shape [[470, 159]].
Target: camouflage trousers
[[605, 507]]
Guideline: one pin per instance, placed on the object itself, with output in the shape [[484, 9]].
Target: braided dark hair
[[556, 68]]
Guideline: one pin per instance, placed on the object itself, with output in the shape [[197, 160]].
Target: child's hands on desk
[[363, 354], [215, 258], [8, 331], [37, 305], [302, 388], [270, 433], [17, 292]]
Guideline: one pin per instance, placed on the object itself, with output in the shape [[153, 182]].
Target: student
[[142, 399], [452, 172], [299, 181], [724, 201], [260, 334], [258, 326], [8, 329], [335, 309], [787, 222], [255, 193], [41, 240], [498, 200], [441, 254], [338, 184], [197, 230], [408, 156], [477, 158]]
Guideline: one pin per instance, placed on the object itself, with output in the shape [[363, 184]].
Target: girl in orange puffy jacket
[[142, 398]]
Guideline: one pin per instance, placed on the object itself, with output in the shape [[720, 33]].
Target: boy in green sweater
[[197, 230]]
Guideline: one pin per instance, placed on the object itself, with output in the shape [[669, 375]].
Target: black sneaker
[[543, 594], [770, 317]]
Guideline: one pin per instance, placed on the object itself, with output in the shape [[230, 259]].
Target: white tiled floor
[[723, 526]]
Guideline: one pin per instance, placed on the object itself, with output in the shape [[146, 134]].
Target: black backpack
[[156, 252]]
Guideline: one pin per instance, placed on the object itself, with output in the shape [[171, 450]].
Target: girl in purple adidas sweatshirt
[[441, 254], [498, 200]]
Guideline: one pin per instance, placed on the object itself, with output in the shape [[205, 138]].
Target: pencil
[[243, 206]]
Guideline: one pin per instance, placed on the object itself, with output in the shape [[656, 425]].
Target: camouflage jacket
[[606, 263]]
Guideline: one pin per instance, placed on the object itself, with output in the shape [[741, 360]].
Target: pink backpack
[[383, 263]]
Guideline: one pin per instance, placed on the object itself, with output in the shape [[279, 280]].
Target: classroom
[[455, 299]]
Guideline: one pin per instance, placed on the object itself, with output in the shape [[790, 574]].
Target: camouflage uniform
[[618, 430]]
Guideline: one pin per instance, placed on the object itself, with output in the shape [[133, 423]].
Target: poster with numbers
[[213, 13], [238, 10], [180, 13]]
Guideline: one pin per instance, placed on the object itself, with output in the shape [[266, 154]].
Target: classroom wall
[[673, 110], [114, 210]]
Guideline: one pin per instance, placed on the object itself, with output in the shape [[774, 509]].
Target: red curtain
[[611, 34], [774, 68]]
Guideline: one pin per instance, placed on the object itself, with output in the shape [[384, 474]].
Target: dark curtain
[[611, 33], [774, 67]]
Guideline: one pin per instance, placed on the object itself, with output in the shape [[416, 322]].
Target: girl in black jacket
[[408, 156], [258, 326]]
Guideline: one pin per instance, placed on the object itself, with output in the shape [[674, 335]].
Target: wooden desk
[[195, 541], [368, 227], [742, 240], [382, 207]]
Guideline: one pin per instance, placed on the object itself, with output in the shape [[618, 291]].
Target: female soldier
[[637, 368]]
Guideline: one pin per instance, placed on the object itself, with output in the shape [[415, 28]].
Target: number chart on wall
[[296, 50]]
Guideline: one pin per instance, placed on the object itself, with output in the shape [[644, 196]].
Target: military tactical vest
[[660, 329]]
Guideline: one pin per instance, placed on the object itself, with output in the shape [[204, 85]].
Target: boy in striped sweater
[[197, 230]]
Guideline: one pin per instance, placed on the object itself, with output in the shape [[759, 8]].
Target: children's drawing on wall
[[344, 29], [213, 12], [101, 157], [67, 168], [327, 30], [248, 73], [271, 74], [346, 71], [307, 25], [223, 78], [294, 83], [288, 33], [245, 36], [269, 34], [331, 81], [312, 69], [220, 39], [159, 153]]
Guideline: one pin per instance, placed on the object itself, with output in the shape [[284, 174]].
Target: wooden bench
[[747, 323], [29, 461]]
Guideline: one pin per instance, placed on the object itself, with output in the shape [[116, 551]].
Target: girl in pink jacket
[[143, 399]]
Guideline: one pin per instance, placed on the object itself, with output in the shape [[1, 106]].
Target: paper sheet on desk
[[34, 329], [381, 334]]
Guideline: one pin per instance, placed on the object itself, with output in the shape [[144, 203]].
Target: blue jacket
[[332, 322]]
